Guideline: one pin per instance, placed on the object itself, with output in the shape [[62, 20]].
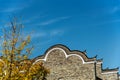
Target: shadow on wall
[[98, 78]]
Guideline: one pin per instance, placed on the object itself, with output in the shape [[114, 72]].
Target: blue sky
[[92, 25]]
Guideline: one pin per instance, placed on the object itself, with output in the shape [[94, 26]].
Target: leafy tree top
[[15, 63]]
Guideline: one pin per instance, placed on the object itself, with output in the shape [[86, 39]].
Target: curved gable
[[67, 53]]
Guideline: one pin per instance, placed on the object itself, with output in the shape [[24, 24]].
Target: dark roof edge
[[68, 52]]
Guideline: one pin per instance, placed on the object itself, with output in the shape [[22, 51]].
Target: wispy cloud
[[11, 9], [39, 35], [114, 9], [50, 33], [51, 21], [33, 18], [104, 22], [14, 6], [57, 32], [46, 37]]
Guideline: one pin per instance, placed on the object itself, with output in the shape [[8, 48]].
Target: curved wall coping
[[99, 62], [66, 55], [110, 72]]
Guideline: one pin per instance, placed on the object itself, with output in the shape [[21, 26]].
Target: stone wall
[[71, 68], [65, 64], [108, 74], [99, 70]]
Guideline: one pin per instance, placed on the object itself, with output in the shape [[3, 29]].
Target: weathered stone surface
[[73, 65], [108, 74], [71, 68]]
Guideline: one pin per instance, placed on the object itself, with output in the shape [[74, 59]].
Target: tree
[[15, 63]]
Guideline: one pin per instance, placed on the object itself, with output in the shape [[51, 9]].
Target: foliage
[[15, 63]]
